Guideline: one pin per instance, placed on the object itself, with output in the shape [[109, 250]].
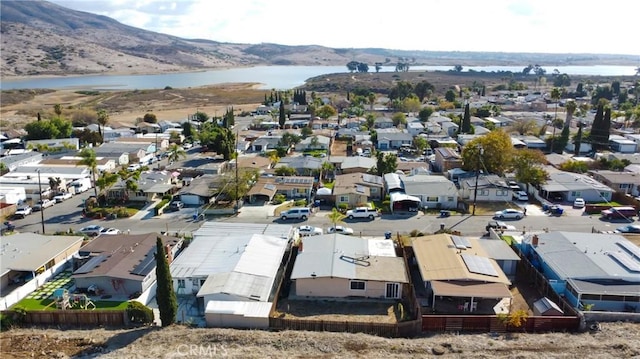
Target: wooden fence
[[389, 330], [91, 318], [492, 323]]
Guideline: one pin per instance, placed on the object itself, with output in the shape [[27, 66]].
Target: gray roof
[[30, 251], [358, 162], [398, 136], [498, 250], [566, 181], [301, 162], [618, 177], [199, 186], [393, 181], [585, 255], [120, 147], [340, 256], [428, 184], [9, 160]]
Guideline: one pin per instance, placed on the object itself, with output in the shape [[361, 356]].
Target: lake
[[270, 77]]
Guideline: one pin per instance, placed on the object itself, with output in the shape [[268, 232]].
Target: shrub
[[386, 206], [139, 313], [343, 207], [300, 203], [160, 205], [278, 199]]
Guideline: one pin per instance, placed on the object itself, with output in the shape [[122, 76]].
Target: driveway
[[257, 211]]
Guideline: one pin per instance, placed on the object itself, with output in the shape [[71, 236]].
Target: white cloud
[[558, 26]]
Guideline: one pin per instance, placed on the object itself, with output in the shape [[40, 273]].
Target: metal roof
[[340, 256], [584, 255], [30, 251], [498, 250], [245, 309]]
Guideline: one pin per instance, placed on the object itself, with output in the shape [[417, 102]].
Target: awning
[[396, 197], [470, 289], [324, 191]]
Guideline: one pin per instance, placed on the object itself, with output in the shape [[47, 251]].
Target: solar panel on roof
[[91, 264], [360, 189], [147, 265], [461, 242], [626, 261], [479, 265], [269, 186], [629, 247]]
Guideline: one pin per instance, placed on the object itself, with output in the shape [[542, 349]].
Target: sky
[[543, 26]]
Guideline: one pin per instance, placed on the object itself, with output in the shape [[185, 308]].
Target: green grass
[[612, 204], [508, 239], [47, 304], [328, 185]]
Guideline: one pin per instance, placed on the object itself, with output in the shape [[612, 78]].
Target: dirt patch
[[331, 310]]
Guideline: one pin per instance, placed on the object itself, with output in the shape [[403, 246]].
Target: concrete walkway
[[264, 211], [146, 212]]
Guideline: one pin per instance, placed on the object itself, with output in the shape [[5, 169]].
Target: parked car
[[619, 213], [296, 213], [92, 231], [61, 197], [632, 228], [45, 203], [133, 167], [187, 145], [309, 231], [520, 196], [340, 230], [500, 226], [514, 186], [363, 212], [23, 211], [509, 213], [110, 231], [176, 205], [6, 227], [579, 203]]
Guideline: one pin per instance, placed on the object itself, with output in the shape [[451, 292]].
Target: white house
[[316, 142], [394, 140], [415, 128], [434, 191], [491, 188]]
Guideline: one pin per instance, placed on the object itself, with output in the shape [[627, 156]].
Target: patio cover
[[470, 289]]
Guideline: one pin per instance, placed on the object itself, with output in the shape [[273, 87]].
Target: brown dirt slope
[[616, 340]]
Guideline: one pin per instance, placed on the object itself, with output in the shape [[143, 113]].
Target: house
[[458, 267], [265, 143], [27, 260], [373, 182], [149, 143], [24, 159], [102, 163], [151, 186], [146, 127], [588, 269], [121, 265], [109, 134], [622, 144], [12, 195], [546, 307], [304, 165], [35, 179], [502, 253], [450, 128], [198, 191], [446, 159], [434, 191], [335, 266], [291, 187], [570, 186], [491, 188], [233, 263], [316, 142], [623, 182], [383, 122], [351, 195], [357, 164], [123, 153], [531, 142], [394, 140], [399, 201], [258, 163], [54, 145], [415, 128]]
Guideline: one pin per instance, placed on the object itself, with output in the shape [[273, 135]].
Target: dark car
[[176, 205], [7, 227]]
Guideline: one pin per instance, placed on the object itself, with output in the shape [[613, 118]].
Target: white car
[[340, 229], [579, 203], [45, 203], [363, 212], [309, 231], [509, 213], [62, 197], [92, 231], [110, 231], [520, 196], [23, 211]]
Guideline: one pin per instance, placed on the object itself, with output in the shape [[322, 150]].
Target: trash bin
[[387, 235], [442, 226], [316, 203], [545, 207]]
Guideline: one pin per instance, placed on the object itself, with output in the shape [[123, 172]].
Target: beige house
[[446, 159], [151, 186], [337, 266], [291, 187]]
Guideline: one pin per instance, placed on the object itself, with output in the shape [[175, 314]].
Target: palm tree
[[54, 183], [325, 168], [335, 217], [88, 158], [555, 95], [103, 119], [571, 107], [175, 153]]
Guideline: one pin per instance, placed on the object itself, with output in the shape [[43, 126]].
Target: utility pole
[[41, 203], [475, 191], [156, 152], [235, 153]]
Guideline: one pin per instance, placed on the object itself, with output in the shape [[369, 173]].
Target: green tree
[[201, 116], [411, 104], [420, 143], [423, 89], [285, 171], [103, 119], [218, 139], [577, 141], [524, 126], [570, 107], [527, 164], [53, 128], [466, 120], [106, 180], [450, 95], [599, 136], [150, 118], [335, 217], [401, 91], [363, 67], [326, 111], [187, 130], [326, 168], [165, 296], [399, 118], [281, 115], [562, 142], [574, 166], [57, 109], [306, 131], [228, 120], [556, 93], [352, 66], [385, 163], [54, 183], [425, 113], [496, 149], [458, 68], [176, 152], [371, 97], [289, 139], [88, 158]]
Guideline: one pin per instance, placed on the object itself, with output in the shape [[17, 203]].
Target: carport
[[471, 290], [403, 202], [262, 193]]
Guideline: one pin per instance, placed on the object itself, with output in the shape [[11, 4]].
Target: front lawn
[[48, 304]]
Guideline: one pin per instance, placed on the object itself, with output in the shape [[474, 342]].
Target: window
[[195, 282], [344, 199], [502, 192], [483, 192], [181, 283], [575, 194], [432, 199], [449, 199], [590, 297], [357, 285], [625, 185], [373, 190]]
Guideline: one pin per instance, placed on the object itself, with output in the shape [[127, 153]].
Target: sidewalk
[[147, 212]]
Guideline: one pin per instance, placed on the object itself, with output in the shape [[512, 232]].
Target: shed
[[546, 307], [238, 314]]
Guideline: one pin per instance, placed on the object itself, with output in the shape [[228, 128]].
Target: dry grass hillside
[[615, 340]]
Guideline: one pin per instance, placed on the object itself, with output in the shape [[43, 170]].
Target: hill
[[42, 38]]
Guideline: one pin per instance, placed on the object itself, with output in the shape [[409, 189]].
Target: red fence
[[92, 318]]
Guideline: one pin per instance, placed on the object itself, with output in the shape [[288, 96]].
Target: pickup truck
[[363, 212], [62, 197], [45, 203], [23, 211]]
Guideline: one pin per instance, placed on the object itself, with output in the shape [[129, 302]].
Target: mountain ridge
[[42, 38]]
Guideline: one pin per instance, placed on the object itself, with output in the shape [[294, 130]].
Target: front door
[[393, 290]]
